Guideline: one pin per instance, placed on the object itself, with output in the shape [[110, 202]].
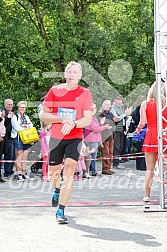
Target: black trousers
[[118, 146], [9, 155], [1, 152], [140, 161]]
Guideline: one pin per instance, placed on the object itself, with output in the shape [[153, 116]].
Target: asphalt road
[[105, 214]]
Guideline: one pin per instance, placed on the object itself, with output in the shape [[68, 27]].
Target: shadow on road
[[112, 234]]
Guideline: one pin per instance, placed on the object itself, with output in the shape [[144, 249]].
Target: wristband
[[75, 124]]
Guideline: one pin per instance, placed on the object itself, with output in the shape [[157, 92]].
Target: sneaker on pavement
[[6, 178], [146, 199], [25, 176], [76, 177], [2, 180], [55, 198], [20, 178], [94, 174], [85, 174], [108, 172], [61, 219]]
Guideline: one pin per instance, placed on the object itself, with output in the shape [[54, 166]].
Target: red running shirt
[[68, 103]]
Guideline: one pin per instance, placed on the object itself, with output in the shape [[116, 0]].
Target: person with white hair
[[107, 118], [20, 121], [68, 108], [9, 150]]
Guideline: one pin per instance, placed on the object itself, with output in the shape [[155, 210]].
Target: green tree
[[37, 37]]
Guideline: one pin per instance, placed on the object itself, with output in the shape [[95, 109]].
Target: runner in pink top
[[93, 138]]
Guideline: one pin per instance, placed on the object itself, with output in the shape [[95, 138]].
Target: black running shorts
[[60, 149]]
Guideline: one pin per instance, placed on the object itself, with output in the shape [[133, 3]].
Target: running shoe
[[146, 199], [7, 178], [61, 219], [2, 180], [55, 198], [25, 176], [85, 174], [20, 178], [77, 177]]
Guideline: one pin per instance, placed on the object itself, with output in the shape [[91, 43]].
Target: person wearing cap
[[118, 112], [68, 107]]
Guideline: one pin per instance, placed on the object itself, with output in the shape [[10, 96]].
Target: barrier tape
[[120, 157], [22, 161], [162, 181], [163, 156]]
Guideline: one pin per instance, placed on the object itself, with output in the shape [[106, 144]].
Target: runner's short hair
[[73, 63]]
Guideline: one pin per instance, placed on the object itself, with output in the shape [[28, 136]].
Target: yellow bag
[[29, 135]]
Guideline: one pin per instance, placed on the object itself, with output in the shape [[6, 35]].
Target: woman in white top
[[2, 134], [20, 121]]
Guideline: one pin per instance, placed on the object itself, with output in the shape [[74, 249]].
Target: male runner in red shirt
[[68, 107]]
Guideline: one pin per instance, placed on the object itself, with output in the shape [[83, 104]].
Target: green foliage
[[37, 37]]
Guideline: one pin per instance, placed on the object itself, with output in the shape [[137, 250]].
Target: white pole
[[159, 101]]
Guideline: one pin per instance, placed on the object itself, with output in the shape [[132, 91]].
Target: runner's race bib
[[66, 112]]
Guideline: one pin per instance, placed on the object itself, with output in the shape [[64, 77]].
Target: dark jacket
[[136, 116], [8, 127], [107, 135]]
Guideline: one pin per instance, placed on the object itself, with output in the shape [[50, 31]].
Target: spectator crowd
[[105, 136]]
